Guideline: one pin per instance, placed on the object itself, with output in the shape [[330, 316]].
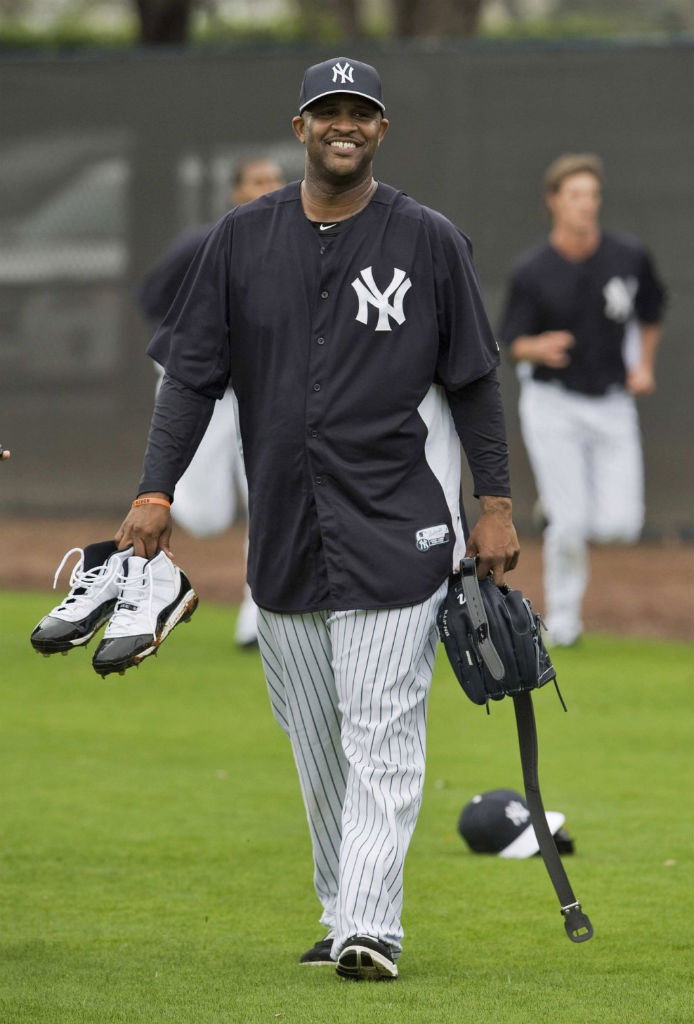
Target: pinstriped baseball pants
[[350, 689]]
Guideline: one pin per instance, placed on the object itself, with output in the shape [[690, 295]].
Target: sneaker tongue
[[97, 554], [133, 568]]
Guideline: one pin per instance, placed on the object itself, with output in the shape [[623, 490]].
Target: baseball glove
[[492, 638]]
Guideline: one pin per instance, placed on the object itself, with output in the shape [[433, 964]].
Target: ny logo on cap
[[517, 813], [368, 294], [345, 72]]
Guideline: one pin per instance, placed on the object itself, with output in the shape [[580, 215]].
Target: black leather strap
[[471, 593], [576, 923]]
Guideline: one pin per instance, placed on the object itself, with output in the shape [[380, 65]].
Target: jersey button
[[320, 480], [320, 341], [314, 433], [324, 295], [316, 387]]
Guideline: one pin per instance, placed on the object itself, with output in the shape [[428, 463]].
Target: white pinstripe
[[350, 689]]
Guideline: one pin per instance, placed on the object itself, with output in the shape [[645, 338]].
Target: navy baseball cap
[[499, 822], [340, 74]]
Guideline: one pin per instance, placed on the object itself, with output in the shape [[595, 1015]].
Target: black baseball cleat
[[92, 598], [363, 958], [154, 596], [319, 955]]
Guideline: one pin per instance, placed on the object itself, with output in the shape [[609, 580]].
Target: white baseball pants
[[586, 457], [350, 689]]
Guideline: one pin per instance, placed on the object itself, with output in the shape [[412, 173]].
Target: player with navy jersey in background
[[583, 314], [350, 321]]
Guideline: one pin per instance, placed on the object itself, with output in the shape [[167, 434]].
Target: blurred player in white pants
[[209, 493], [583, 314], [586, 458]]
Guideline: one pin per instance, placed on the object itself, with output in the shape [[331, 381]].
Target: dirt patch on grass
[[634, 591]]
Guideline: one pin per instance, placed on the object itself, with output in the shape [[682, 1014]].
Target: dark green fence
[[105, 159]]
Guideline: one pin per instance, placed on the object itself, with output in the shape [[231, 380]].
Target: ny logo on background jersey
[[619, 295], [369, 295], [345, 72]]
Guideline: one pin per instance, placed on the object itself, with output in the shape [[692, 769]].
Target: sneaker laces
[[131, 589], [80, 582]]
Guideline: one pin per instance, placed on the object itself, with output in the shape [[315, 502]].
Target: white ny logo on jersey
[[345, 72], [368, 294], [619, 295]]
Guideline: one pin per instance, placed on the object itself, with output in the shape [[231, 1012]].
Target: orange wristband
[[150, 501]]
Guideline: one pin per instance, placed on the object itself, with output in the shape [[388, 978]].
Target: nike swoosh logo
[[325, 227]]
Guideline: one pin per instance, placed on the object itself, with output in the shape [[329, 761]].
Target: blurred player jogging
[[583, 312]]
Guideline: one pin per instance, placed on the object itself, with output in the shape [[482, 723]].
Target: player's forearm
[[650, 340], [494, 504], [179, 420], [525, 349], [479, 420], [551, 348]]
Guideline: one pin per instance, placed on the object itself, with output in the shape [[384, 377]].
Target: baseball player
[[583, 313], [206, 493], [350, 321]]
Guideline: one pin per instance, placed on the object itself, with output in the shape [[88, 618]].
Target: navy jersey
[[598, 300], [340, 351]]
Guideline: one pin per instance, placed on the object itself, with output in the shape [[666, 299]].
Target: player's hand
[[148, 529], [552, 348], [641, 381], [493, 541]]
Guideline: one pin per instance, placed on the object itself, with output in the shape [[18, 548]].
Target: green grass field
[[156, 864]]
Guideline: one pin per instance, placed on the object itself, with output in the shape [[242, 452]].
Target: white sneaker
[[92, 598], [154, 596]]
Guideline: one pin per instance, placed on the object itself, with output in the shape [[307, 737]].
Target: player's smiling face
[[341, 133]]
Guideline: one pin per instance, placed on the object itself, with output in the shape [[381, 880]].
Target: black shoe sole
[[359, 963], [61, 645], [180, 610]]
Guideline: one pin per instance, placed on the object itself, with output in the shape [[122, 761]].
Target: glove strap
[[576, 923], [471, 595]]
